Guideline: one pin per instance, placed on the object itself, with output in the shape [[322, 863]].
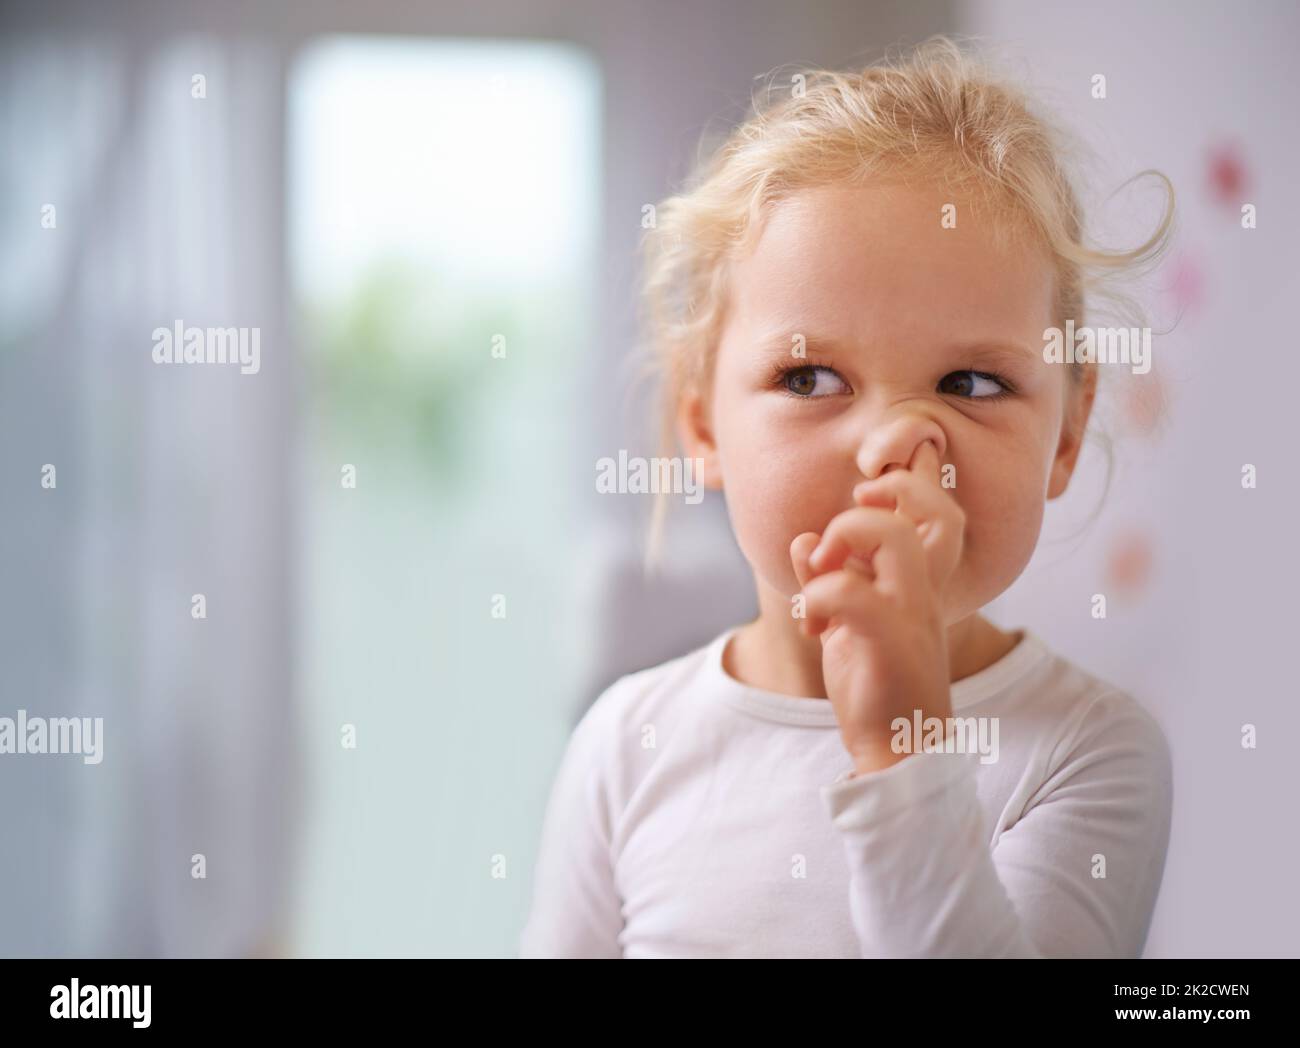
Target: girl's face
[[910, 331]]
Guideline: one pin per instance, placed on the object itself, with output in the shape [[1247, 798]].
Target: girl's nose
[[892, 444]]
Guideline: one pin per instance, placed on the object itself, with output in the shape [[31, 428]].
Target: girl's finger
[[925, 461], [915, 498], [842, 597], [881, 539], [800, 549], [940, 521]]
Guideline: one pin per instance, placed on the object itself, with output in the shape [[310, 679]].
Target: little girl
[[850, 306]]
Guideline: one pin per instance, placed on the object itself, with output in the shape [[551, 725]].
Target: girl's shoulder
[[655, 690], [1092, 715], [616, 739]]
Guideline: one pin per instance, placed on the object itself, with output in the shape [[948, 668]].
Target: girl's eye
[[811, 380], [966, 383]]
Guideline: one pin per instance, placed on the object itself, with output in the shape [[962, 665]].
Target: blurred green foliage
[[400, 364]]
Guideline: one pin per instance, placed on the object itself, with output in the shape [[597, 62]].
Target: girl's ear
[[1078, 407], [695, 432]]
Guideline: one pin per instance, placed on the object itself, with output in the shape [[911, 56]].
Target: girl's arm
[[925, 882], [575, 910]]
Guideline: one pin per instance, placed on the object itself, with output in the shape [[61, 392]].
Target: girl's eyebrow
[[991, 351], [785, 343], [1007, 354]]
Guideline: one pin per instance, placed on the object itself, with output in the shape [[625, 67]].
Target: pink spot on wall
[[1130, 564], [1185, 287], [1226, 174]]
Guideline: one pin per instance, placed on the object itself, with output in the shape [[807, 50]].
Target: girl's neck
[[770, 653]]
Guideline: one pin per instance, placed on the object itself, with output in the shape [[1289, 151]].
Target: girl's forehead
[[838, 224], [884, 257]]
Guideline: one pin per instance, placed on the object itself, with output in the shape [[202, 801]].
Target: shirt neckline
[[812, 711]]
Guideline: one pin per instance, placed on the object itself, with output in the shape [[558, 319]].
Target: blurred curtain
[[171, 481]]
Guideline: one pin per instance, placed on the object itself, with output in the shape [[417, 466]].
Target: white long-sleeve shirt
[[696, 816]]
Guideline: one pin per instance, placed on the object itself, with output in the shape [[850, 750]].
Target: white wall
[[1207, 644]]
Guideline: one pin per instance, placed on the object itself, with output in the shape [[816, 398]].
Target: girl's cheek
[[1002, 528], [770, 500], [995, 499], [759, 536]]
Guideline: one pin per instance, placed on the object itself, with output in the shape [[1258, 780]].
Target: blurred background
[[411, 587]]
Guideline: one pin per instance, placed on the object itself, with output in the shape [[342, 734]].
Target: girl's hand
[[873, 588]]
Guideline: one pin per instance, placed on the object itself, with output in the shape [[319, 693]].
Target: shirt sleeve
[[575, 910], [1075, 876]]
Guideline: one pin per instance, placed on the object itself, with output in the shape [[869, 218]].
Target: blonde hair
[[936, 113]]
